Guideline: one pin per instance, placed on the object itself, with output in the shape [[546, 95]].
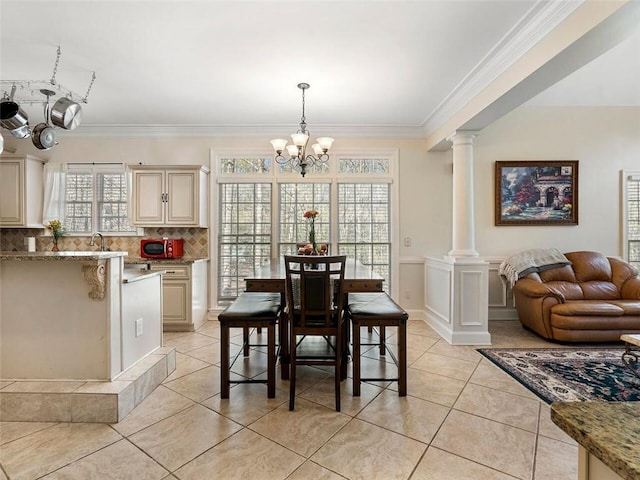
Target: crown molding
[[228, 131], [541, 19]]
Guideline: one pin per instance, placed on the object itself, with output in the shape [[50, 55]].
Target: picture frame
[[536, 192]]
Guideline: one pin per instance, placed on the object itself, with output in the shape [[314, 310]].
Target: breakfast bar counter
[[608, 434]]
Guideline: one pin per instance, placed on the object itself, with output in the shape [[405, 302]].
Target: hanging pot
[[66, 114], [22, 132], [44, 137], [12, 117]]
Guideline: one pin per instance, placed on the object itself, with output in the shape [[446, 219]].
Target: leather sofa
[[595, 299]]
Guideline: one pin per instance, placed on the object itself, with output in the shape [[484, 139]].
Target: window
[[244, 238], [96, 200], [631, 219], [261, 206], [295, 199], [364, 224]]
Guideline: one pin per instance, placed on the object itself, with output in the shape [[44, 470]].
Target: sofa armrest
[[534, 289], [631, 289], [534, 300]]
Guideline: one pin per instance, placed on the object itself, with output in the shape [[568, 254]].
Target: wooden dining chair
[[315, 303]]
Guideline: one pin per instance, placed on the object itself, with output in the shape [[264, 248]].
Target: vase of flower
[[57, 231], [311, 215]]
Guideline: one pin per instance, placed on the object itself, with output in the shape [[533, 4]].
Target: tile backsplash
[[196, 240]]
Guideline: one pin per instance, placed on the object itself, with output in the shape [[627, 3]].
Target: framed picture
[[536, 192]]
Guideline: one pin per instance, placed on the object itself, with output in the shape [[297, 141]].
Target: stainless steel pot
[[66, 114], [43, 136], [22, 132], [12, 117]]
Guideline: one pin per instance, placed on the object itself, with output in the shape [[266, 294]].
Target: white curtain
[[54, 192], [128, 176]]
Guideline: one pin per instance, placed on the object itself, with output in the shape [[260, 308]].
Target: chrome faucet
[[93, 238]]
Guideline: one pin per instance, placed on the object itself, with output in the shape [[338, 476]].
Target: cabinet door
[[148, 205], [176, 303], [11, 193], [182, 203]]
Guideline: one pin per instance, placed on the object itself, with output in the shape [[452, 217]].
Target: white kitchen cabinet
[[176, 196], [21, 191], [184, 295]]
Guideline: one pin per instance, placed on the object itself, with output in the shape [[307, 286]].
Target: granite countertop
[[608, 430], [60, 256], [165, 261], [136, 273]]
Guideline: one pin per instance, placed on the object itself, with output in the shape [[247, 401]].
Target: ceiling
[[233, 66]]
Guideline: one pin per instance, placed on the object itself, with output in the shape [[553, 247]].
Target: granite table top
[[608, 430], [60, 256]]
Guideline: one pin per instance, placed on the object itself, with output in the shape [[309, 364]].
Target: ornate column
[[457, 286], [463, 213]]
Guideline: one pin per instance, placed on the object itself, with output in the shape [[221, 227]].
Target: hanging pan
[[43, 135], [13, 118], [66, 114]]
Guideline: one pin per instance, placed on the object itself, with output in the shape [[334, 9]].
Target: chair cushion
[[253, 304], [378, 304]]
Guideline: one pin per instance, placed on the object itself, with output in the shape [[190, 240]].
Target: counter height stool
[[377, 309], [250, 310]]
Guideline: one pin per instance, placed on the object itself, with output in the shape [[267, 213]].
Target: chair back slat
[[314, 287]]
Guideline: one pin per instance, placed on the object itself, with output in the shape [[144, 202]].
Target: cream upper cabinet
[[171, 196], [21, 191]]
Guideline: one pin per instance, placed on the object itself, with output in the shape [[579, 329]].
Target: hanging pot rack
[[29, 92]]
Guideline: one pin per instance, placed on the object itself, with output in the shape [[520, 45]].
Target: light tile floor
[[463, 419]]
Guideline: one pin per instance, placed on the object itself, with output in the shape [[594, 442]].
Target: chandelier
[[65, 112], [297, 152]]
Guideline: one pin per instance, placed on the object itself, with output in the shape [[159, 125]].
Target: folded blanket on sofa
[[521, 264]]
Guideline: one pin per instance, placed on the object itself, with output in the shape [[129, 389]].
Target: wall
[[604, 140]]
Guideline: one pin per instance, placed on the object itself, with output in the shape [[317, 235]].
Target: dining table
[[271, 277]]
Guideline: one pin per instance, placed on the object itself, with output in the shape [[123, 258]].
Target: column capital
[[461, 137]]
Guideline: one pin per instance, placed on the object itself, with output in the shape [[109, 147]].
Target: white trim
[[229, 131]]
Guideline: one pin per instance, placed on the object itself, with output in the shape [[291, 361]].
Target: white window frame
[[94, 170], [294, 177], [625, 178]]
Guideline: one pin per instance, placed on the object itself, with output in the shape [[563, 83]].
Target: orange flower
[[310, 214]]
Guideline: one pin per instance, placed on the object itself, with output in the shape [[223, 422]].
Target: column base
[[457, 299]]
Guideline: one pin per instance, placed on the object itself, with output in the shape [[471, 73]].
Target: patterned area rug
[[569, 374]]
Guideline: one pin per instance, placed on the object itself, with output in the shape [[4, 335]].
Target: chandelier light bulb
[[293, 150], [325, 143], [300, 139], [279, 144], [317, 149]]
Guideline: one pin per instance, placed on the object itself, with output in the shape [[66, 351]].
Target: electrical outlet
[[139, 327], [407, 295], [407, 241]]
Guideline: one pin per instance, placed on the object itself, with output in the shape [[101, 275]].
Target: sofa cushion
[[600, 290], [588, 308], [589, 266], [629, 323], [630, 307], [569, 290], [562, 274]]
